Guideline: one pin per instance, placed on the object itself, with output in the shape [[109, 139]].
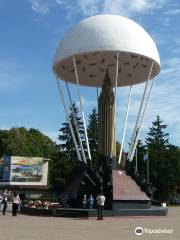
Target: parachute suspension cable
[[115, 93], [82, 113], [140, 110], [125, 125], [97, 92], [97, 95], [142, 118], [136, 166], [68, 119], [76, 124]]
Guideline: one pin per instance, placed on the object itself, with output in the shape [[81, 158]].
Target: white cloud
[[123, 7], [39, 7], [126, 7], [173, 11], [60, 2], [89, 7]]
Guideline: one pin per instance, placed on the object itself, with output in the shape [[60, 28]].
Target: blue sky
[[30, 32]]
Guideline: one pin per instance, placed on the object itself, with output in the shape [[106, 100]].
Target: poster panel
[[5, 169], [27, 169], [23, 170]]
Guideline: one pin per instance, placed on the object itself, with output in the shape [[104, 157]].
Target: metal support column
[[125, 125], [76, 124], [82, 113], [68, 119]]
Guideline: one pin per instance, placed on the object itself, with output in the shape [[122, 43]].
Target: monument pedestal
[[126, 193]]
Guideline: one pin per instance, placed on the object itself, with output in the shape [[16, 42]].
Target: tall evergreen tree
[[158, 145], [59, 171], [66, 141], [171, 166], [92, 130], [156, 136], [65, 161], [141, 164]]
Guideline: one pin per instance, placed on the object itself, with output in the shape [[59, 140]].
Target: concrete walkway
[[120, 228]]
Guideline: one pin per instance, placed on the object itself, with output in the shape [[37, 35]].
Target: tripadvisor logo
[[139, 231]]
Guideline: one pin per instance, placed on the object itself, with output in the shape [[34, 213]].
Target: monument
[[107, 51], [106, 107]]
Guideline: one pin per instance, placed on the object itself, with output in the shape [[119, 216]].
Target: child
[[84, 201], [91, 201]]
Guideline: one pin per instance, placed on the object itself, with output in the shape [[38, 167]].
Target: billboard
[[1, 169], [5, 168], [24, 170]]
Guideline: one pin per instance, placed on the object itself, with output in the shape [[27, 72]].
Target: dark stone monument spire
[[107, 146]]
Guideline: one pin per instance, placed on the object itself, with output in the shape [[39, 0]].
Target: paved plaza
[[52, 228]]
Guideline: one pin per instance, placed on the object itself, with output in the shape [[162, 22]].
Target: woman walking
[[5, 201], [15, 204]]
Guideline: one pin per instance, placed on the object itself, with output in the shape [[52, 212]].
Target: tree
[[92, 130], [15, 142], [67, 144], [20, 141], [156, 137], [171, 170], [59, 171], [141, 151], [65, 160], [40, 144], [158, 145]]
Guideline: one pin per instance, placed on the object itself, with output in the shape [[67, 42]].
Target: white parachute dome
[[95, 41]]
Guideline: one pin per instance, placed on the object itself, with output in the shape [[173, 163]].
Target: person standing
[[15, 204], [90, 201], [84, 201], [5, 201], [1, 198], [100, 205]]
